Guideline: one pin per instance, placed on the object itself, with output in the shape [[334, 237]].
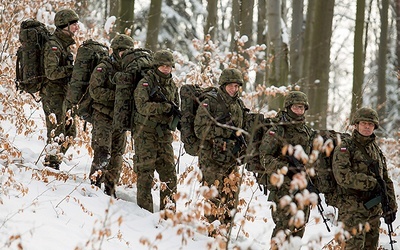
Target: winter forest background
[[343, 54]]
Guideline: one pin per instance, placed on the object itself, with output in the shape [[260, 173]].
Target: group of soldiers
[[219, 122]]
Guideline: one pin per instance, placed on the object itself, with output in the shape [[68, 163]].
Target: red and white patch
[[99, 69], [54, 48], [271, 132], [145, 84], [205, 105], [343, 149]]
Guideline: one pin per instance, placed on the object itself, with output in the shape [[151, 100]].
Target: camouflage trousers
[[353, 214], [108, 146], [218, 172], [154, 153], [282, 216], [57, 104]]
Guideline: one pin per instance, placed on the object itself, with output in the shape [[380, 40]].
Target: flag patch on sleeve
[[205, 105], [343, 149], [99, 69], [145, 84]]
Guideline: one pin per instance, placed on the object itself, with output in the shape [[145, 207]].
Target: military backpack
[[87, 58], [191, 96], [324, 180], [30, 75], [135, 63]]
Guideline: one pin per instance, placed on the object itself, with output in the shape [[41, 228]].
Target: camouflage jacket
[[152, 109], [101, 87], [58, 63], [219, 107], [351, 168], [284, 131]]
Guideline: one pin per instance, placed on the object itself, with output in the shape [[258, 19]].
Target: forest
[[343, 54]]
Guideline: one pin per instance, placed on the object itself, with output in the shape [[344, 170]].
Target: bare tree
[[319, 61], [277, 74], [211, 22], [358, 59], [382, 60], [296, 41], [126, 16], [153, 26]]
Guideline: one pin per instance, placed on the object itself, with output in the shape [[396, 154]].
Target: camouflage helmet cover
[[65, 17], [366, 114], [164, 57], [122, 41], [231, 75], [296, 97]]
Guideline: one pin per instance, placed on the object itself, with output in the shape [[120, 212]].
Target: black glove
[[390, 217], [174, 111]]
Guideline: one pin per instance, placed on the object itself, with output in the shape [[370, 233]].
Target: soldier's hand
[[390, 217]]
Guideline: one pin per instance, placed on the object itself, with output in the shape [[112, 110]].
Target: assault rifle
[[296, 166], [383, 198], [176, 113]]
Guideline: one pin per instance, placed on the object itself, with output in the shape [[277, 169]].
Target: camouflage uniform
[[58, 64], [290, 129], [358, 184], [220, 150], [108, 144], [153, 135]]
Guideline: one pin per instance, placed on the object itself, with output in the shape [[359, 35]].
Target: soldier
[[289, 129], [156, 100], [108, 144], [58, 64], [217, 120], [355, 160]]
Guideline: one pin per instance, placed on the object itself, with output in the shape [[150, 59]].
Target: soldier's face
[[165, 69], [298, 109], [365, 128], [73, 28], [232, 88]]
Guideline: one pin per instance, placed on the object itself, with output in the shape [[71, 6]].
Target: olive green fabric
[[108, 143], [134, 65], [153, 139], [65, 17], [122, 41], [231, 75], [367, 115], [89, 55], [296, 97], [29, 67], [218, 155], [58, 67], [284, 132], [164, 57], [358, 185]]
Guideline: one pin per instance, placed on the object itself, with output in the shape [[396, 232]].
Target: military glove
[[390, 217]]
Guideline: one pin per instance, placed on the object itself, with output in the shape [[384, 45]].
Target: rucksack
[[191, 96], [88, 56], [30, 66], [324, 179], [135, 63]]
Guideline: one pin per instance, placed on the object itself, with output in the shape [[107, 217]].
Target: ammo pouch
[[223, 149]]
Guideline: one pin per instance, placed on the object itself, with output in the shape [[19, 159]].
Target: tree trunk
[[211, 22], [277, 74], [382, 60], [261, 36], [235, 24], [358, 59], [319, 62], [296, 42], [126, 12], [153, 26]]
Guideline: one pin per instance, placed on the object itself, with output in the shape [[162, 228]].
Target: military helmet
[[163, 57], [231, 75], [65, 17], [122, 41], [367, 115], [296, 97]]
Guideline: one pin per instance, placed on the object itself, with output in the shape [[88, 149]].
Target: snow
[[46, 209]]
